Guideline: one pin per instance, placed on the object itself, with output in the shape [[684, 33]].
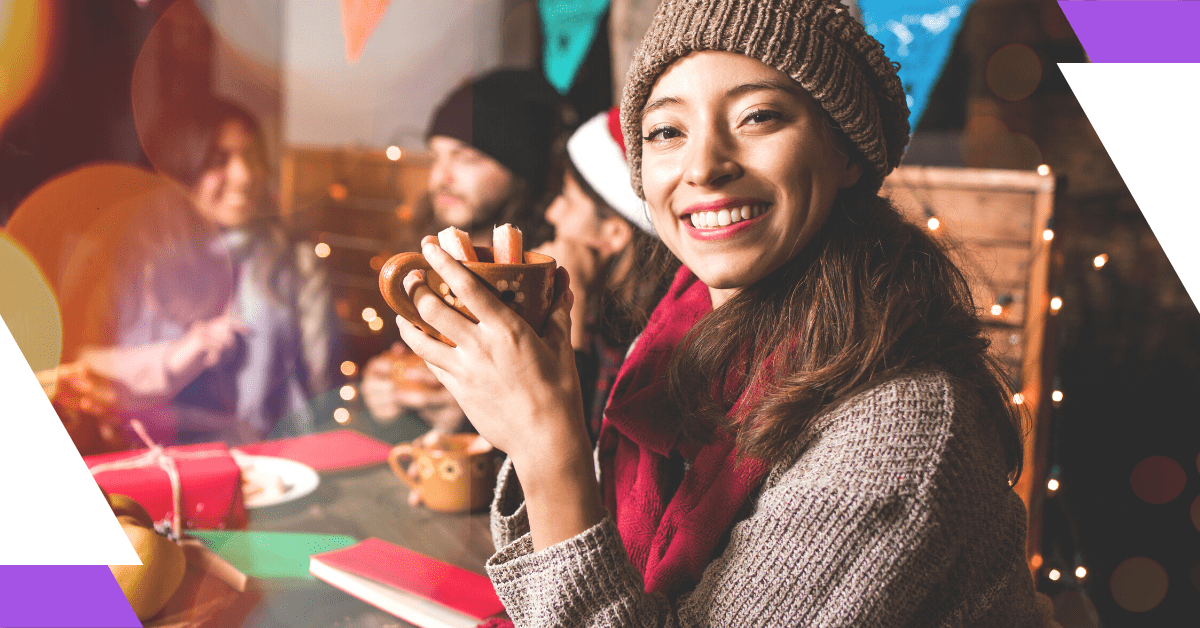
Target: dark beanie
[[512, 116]]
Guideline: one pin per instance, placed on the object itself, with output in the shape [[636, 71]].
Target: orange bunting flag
[[359, 19]]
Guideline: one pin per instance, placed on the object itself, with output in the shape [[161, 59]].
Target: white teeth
[[696, 220], [745, 213], [723, 218], [710, 219], [735, 215]]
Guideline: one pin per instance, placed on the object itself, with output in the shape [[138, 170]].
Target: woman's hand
[[385, 399], [521, 392], [202, 347]]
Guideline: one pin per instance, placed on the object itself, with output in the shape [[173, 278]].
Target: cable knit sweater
[[893, 510]]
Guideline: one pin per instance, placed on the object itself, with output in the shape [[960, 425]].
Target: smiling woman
[[808, 431]]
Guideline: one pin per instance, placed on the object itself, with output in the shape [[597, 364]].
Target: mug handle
[[391, 284], [406, 452]]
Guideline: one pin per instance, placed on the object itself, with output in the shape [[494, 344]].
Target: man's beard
[[482, 218]]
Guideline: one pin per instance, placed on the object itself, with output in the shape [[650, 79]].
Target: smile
[[726, 217]]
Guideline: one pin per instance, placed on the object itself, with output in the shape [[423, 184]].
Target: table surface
[[361, 503]]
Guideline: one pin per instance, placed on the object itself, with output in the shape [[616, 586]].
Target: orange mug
[[454, 473], [527, 289]]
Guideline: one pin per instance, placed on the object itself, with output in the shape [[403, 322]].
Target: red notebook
[[410, 585], [337, 450]]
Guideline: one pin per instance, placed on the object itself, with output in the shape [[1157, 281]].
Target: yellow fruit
[[123, 505], [148, 586]]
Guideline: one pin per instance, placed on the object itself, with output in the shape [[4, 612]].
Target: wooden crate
[[995, 223]]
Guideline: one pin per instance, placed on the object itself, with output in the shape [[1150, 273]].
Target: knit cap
[[818, 43], [512, 116], [597, 150]]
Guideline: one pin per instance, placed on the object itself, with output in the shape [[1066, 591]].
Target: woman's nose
[[237, 171], [710, 160], [555, 209]]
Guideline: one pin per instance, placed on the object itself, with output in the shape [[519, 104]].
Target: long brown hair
[[869, 297], [186, 145]]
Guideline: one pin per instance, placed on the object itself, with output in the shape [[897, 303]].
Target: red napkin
[[337, 450]]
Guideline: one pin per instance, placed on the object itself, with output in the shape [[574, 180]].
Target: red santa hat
[[597, 148]]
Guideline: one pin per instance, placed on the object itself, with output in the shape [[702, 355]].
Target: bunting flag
[[359, 19], [918, 34], [1140, 94], [568, 29]]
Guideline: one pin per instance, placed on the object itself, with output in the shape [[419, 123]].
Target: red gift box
[[210, 483]]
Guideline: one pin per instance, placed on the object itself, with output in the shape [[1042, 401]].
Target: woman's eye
[[762, 115], [662, 133]]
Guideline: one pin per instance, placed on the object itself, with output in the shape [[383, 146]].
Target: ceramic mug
[[527, 289], [453, 473]]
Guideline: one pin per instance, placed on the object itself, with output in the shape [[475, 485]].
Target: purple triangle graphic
[[1133, 31], [62, 596]]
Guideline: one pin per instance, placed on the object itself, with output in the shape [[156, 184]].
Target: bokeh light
[[369, 314], [1048, 234], [1138, 584], [322, 250], [341, 415], [934, 223], [26, 27], [1054, 575], [1158, 479], [1056, 396], [1081, 572], [1014, 72], [29, 307], [1052, 485], [1036, 561], [1100, 260], [997, 310], [1043, 170], [349, 368], [377, 262], [394, 153], [338, 192], [376, 324], [1018, 399], [1055, 304], [347, 392]]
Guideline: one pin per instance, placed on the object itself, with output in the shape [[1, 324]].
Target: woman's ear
[[615, 234], [851, 174]]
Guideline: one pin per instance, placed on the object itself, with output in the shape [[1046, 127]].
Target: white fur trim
[[601, 161]]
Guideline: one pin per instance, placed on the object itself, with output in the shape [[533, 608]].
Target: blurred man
[[493, 141]]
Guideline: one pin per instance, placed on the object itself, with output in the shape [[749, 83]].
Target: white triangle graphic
[[53, 513], [1146, 116]]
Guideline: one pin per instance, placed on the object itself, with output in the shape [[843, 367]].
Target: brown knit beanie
[[816, 42]]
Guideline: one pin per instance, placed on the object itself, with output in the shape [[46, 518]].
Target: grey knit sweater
[[893, 511]]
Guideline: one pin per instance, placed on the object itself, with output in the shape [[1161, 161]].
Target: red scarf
[[669, 538]]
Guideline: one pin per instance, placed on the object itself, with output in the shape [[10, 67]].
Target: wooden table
[[369, 502]]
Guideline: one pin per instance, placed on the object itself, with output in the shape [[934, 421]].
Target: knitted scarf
[[670, 538]]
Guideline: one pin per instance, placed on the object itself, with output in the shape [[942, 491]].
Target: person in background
[[222, 327], [493, 141], [603, 237]]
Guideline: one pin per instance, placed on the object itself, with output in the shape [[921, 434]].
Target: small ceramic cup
[[527, 289], [453, 473]]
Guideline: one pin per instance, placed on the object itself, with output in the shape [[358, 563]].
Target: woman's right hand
[[202, 347], [385, 399]]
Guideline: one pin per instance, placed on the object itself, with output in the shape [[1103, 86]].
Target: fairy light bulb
[[341, 415], [1019, 398], [1057, 396], [1048, 234], [1043, 170], [1052, 485], [1100, 261], [322, 250], [394, 153], [369, 314], [375, 324], [349, 368], [934, 223], [1055, 304], [1080, 572], [347, 392], [1054, 575], [997, 309]]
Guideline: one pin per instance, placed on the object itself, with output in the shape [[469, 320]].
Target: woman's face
[[228, 189], [574, 215], [738, 167]]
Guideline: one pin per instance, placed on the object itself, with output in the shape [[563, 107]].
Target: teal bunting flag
[[568, 29], [918, 34]]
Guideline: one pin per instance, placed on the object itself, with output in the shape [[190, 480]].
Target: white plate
[[259, 489]]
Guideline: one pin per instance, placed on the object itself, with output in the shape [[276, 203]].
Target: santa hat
[[597, 148]]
